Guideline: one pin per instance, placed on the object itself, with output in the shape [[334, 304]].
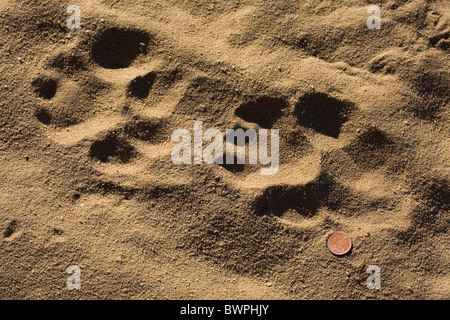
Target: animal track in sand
[[323, 113], [43, 116], [135, 141], [114, 48], [140, 87], [117, 48], [99, 148], [305, 200], [151, 131], [201, 99], [10, 229], [112, 148], [45, 87], [264, 111]]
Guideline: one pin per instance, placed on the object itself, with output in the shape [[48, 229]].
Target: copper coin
[[339, 243]]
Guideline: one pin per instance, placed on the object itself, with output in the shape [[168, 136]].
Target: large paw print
[[109, 94], [115, 96]]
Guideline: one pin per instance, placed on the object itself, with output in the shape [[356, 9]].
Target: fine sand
[[87, 177]]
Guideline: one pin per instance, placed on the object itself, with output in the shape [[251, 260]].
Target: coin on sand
[[339, 243]]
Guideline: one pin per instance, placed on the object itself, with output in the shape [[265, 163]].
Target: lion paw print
[[110, 93], [116, 95]]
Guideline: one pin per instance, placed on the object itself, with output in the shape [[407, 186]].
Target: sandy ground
[[85, 149]]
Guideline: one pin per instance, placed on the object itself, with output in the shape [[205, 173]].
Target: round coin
[[339, 243]]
